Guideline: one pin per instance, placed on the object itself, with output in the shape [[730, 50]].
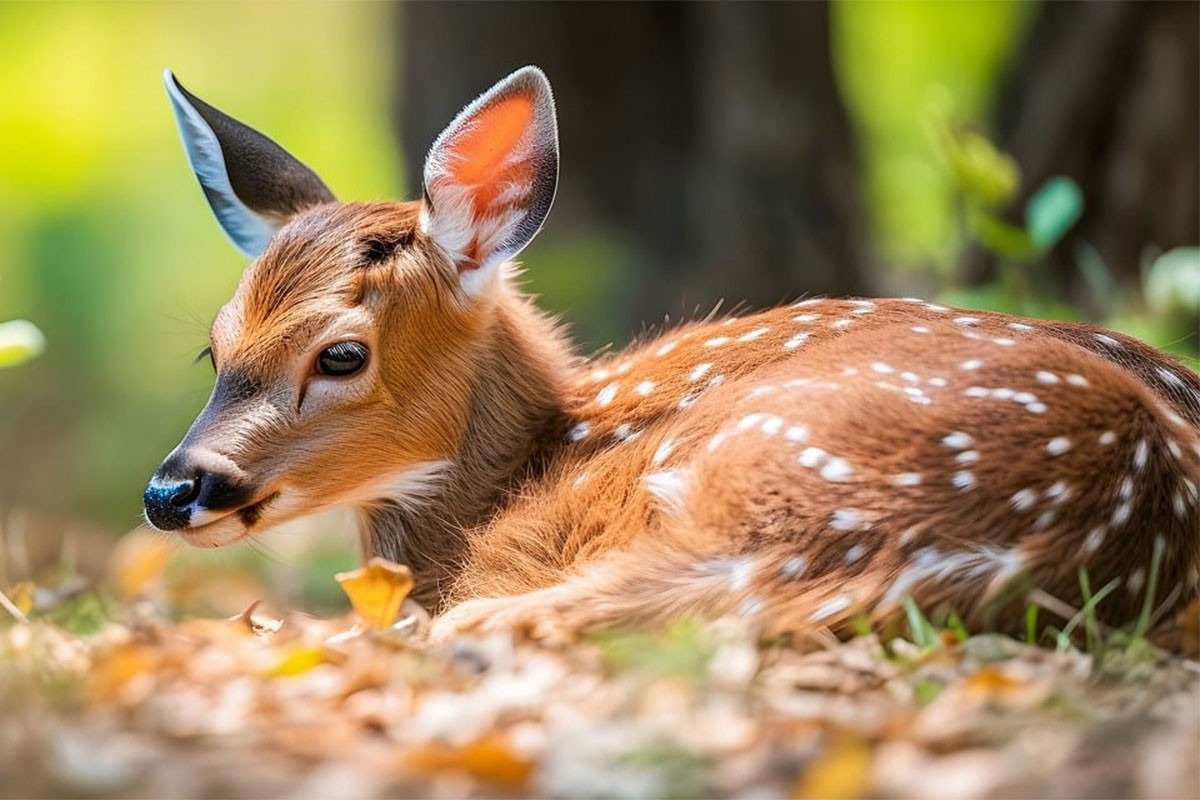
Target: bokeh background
[[1032, 157]]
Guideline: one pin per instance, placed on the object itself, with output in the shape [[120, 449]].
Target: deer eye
[[341, 359]]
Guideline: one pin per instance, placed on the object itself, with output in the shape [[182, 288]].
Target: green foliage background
[[107, 243]]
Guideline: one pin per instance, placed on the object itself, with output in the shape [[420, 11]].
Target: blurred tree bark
[[708, 137], [1106, 93]]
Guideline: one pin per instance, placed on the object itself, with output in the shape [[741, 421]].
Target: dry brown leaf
[[843, 772], [377, 590]]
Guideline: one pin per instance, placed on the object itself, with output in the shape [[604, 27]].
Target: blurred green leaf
[[985, 174], [20, 341], [1052, 210], [1173, 281]]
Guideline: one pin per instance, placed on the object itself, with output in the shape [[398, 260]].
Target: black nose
[[169, 503], [177, 492]]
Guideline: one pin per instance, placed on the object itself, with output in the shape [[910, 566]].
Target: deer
[[800, 467]]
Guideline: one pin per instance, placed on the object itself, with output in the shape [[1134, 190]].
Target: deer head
[[345, 358]]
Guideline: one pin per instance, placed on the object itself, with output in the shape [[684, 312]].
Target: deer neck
[[515, 415]]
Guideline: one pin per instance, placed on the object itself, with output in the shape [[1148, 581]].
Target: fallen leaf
[[21, 596], [377, 590], [139, 559], [297, 661], [843, 772], [490, 759], [114, 669]]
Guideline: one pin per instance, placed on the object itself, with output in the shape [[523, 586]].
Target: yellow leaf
[[377, 590], [298, 661], [21, 596], [137, 561], [843, 772]]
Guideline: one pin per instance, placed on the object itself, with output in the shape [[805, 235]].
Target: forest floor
[[111, 693]]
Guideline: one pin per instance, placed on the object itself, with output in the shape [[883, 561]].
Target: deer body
[[796, 466]]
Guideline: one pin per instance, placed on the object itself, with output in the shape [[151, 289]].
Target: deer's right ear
[[252, 184], [491, 175]]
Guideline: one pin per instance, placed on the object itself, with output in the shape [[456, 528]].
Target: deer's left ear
[[490, 177], [251, 183]]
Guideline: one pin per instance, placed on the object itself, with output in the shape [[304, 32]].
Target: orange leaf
[[490, 759], [377, 590], [137, 561], [114, 669]]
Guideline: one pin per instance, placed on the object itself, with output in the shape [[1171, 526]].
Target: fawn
[[797, 466]]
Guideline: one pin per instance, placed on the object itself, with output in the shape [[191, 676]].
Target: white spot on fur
[[794, 567], [842, 324], [907, 479], [626, 433], [754, 334], [700, 371], [606, 395], [855, 553], [967, 457], [1107, 341], [1137, 579], [837, 470], [1058, 445], [1046, 377], [919, 329], [958, 440], [966, 321], [964, 480], [882, 368], [772, 425], [796, 433], [579, 432], [1141, 454], [717, 341], [1023, 500], [644, 388], [812, 457], [971, 364], [831, 607], [1020, 326], [977, 391], [938, 382], [1003, 341], [1077, 380], [1107, 438], [666, 348], [1170, 377], [845, 519], [716, 441], [1094, 539], [669, 488], [795, 341], [806, 318], [1121, 514], [1036, 408]]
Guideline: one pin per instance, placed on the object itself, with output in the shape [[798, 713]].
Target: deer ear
[[490, 177], [252, 184]]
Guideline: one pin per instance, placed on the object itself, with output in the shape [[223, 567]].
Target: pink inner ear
[[484, 152]]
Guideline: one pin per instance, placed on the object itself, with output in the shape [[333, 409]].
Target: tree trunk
[[1107, 95]]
